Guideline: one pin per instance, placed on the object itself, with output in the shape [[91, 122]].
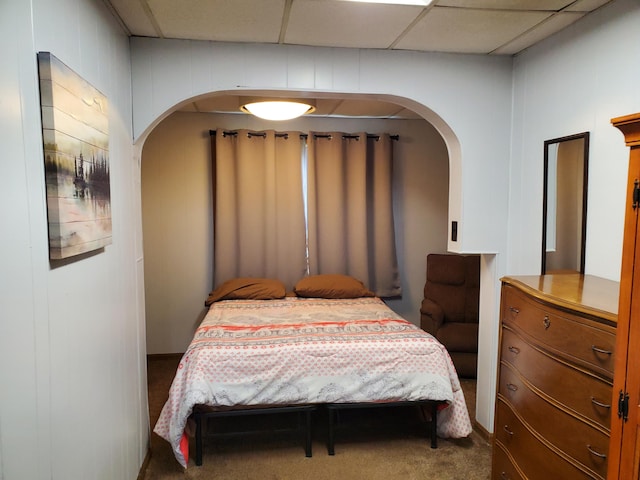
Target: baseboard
[[164, 356], [145, 465], [483, 432]]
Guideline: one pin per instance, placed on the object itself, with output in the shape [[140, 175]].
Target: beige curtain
[[258, 206], [350, 214]]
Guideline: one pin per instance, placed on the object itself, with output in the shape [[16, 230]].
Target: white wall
[[177, 216], [178, 230], [575, 81], [72, 371], [467, 99]]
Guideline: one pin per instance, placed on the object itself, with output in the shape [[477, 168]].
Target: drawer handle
[[597, 454], [546, 322], [508, 430], [601, 350], [514, 310], [504, 476], [599, 404], [515, 350], [512, 387]]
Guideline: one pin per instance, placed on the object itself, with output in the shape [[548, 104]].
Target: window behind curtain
[[285, 208], [350, 209], [259, 226]]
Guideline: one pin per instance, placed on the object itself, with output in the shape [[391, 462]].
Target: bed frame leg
[[198, 419], [307, 446], [434, 425], [331, 436]]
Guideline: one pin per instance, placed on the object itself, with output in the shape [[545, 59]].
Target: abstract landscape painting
[[75, 133]]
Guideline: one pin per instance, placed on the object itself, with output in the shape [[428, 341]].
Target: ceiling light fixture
[[280, 109]]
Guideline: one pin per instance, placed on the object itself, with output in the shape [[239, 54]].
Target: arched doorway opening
[[178, 225], [178, 221]]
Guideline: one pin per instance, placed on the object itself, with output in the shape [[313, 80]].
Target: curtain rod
[[302, 135]]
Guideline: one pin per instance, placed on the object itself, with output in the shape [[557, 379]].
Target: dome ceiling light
[[278, 109]]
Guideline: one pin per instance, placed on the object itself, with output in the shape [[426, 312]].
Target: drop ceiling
[[482, 27]]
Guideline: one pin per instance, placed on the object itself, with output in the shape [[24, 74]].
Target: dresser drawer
[[535, 459], [579, 440], [585, 343], [501, 466], [577, 390]]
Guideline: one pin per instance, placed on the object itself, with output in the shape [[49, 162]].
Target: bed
[[305, 350]]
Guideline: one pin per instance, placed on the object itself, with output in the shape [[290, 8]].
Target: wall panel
[[69, 335], [575, 81]]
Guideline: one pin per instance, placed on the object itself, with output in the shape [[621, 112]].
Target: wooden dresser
[[555, 374]]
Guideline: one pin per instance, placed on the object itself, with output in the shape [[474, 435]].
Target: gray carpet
[[389, 444]]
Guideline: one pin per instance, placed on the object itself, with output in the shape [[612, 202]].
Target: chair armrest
[[431, 316]]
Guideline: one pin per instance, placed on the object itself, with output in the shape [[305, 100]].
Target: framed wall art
[[75, 132]]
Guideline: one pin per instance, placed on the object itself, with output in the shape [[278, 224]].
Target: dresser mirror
[[564, 210]]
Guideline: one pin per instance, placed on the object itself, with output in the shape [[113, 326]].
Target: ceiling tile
[[586, 5], [220, 20], [549, 5], [189, 107], [326, 106], [405, 113], [367, 108], [468, 30], [552, 25], [134, 17], [347, 24]]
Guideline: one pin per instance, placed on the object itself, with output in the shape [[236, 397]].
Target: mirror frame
[[547, 143]]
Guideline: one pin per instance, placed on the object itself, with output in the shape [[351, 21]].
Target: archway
[[448, 138], [176, 172]]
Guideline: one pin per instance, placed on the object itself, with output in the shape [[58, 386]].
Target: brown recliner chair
[[450, 307]]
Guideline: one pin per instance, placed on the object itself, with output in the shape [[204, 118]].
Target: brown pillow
[[248, 289], [331, 286]]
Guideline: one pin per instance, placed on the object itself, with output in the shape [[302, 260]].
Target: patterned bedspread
[[300, 351]]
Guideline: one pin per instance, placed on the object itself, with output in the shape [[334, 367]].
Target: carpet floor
[[383, 444]]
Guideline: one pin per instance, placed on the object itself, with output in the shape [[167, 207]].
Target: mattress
[[309, 351]]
